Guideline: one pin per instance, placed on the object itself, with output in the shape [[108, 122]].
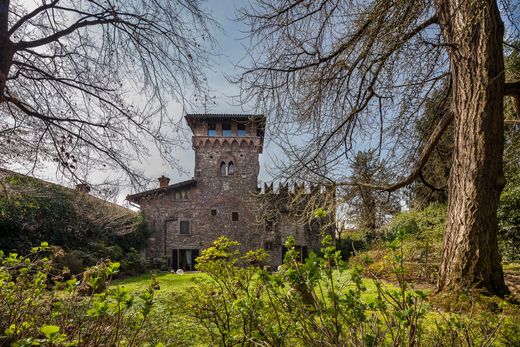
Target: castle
[[223, 198]]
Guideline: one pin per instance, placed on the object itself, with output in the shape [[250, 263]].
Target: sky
[[230, 49]]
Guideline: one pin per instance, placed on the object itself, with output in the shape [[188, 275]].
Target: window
[[226, 129], [212, 129], [241, 129], [184, 227], [185, 194], [231, 169], [268, 245], [213, 212], [223, 169], [234, 216], [177, 195]]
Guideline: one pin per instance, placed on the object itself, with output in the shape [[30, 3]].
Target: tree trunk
[[473, 32], [6, 54]]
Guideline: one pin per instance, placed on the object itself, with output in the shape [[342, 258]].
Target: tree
[[85, 82], [356, 74], [369, 208], [432, 184]]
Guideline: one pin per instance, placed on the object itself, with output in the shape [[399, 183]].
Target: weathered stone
[[223, 198]]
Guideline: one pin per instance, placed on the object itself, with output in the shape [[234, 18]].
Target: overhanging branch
[[423, 159]]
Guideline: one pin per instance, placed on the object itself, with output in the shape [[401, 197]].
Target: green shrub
[[39, 307], [34, 211], [421, 233]]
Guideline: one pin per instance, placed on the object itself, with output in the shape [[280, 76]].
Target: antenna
[[207, 101]]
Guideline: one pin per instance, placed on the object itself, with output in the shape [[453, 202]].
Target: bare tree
[[351, 75], [85, 82]]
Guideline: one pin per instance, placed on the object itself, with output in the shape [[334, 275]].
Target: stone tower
[[227, 149]]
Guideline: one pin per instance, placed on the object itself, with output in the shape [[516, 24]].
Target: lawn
[[168, 282]]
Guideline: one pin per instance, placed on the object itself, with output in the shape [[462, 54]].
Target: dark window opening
[[223, 169], [234, 216], [259, 131], [226, 129], [269, 225], [184, 259], [268, 245], [184, 227], [241, 129], [213, 212], [231, 169], [212, 129]]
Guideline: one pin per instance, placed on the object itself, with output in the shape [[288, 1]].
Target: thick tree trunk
[[5, 46], [473, 32]]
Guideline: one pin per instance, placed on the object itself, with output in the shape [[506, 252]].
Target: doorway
[[184, 259]]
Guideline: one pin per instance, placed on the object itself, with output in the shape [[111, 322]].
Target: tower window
[[213, 212], [268, 245], [234, 216], [212, 129], [223, 169], [184, 227], [231, 169], [226, 129], [241, 129]]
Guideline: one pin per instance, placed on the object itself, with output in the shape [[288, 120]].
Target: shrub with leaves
[[39, 307]]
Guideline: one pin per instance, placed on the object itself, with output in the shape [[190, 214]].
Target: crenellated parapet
[[252, 143]]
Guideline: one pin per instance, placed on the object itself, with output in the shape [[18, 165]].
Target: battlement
[[295, 189]]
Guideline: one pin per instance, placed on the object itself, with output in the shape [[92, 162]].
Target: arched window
[[231, 169], [223, 169]]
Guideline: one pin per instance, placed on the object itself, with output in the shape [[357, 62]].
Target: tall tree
[[85, 82], [369, 208], [352, 74]]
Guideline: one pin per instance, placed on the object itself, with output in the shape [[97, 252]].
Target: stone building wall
[[217, 204]]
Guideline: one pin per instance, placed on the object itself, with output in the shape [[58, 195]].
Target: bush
[[39, 307], [34, 211], [421, 232]]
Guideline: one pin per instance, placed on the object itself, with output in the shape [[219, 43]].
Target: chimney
[[163, 181], [83, 187]]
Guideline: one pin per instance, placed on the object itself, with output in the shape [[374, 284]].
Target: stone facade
[[222, 199]]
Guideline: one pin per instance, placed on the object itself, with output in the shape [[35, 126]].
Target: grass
[[168, 282]]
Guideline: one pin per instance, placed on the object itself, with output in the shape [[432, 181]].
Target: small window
[[185, 194], [231, 169], [223, 169], [212, 129], [234, 216], [184, 227], [213, 212], [226, 129], [268, 245], [177, 195], [241, 129]]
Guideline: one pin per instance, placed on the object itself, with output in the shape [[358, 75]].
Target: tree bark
[[473, 32], [6, 54]]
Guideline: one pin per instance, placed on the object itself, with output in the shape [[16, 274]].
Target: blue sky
[[231, 48]]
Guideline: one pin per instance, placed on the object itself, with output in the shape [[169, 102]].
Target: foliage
[[420, 233], [315, 303], [87, 228], [509, 218], [369, 208], [38, 307]]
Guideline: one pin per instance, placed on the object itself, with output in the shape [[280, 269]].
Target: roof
[[153, 192], [215, 116]]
